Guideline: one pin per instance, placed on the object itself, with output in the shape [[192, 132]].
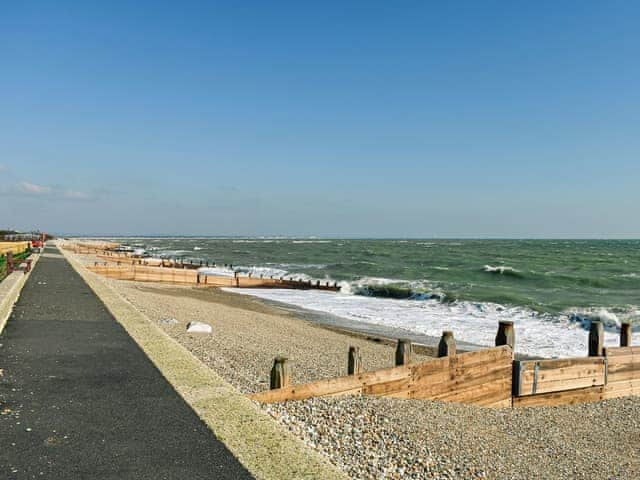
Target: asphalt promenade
[[79, 399]]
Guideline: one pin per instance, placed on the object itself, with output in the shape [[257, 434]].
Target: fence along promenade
[[487, 378]]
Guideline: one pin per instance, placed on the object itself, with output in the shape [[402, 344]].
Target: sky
[[366, 119]]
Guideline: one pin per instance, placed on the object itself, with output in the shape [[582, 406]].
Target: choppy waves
[[545, 335], [502, 270]]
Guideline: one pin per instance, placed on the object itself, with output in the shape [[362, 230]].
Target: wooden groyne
[[123, 266], [488, 378], [89, 247], [185, 276]]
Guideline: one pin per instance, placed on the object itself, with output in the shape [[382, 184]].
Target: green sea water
[[546, 276]]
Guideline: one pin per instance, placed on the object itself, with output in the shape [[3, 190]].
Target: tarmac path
[[79, 398]]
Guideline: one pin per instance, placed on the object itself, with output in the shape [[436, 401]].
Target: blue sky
[[391, 119]]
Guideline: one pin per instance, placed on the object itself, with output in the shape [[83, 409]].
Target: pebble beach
[[371, 438]]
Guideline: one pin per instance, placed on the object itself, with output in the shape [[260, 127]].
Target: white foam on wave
[[311, 241], [477, 323], [216, 271], [499, 269], [353, 287]]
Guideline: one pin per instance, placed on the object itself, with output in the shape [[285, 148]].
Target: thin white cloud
[[75, 195], [33, 189], [3, 168]]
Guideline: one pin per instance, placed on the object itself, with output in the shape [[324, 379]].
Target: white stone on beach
[[169, 321], [198, 327]]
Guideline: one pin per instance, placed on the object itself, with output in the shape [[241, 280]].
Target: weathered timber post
[[625, 334], [280, 373], [354, 365], [403, 352], [506, 334], [447, 345], [317, 283], [596, 338]]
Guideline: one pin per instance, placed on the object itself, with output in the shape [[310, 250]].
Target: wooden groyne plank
[[567, 397], [544, 376], [623, 377], [482, 377]]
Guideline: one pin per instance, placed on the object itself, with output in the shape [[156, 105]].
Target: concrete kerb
[[263, 446], [10, 289]]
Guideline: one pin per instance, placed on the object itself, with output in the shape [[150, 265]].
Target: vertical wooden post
[[625, 334], [403, 352], [280, 373], [506, 334], [596, 338], [354, 365], [9, 262], [447, 345]]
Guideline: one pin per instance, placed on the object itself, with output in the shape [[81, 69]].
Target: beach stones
[[169, 321], [198, 327]]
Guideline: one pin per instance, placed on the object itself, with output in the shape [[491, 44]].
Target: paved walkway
[[79, 399]]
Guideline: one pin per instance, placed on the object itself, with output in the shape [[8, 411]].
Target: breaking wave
[[502, 270]]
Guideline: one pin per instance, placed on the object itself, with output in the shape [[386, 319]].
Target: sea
[[550, 289]]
